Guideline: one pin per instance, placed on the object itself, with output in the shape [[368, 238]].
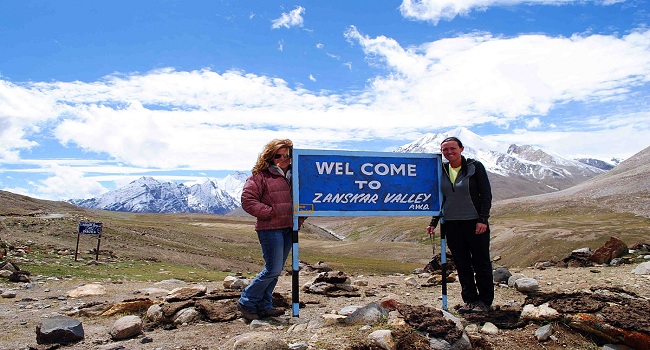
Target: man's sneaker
[[246, 314], [467, 308], [480, 306], [272, 313]]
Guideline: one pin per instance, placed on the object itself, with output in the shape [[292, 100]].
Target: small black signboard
[[89, 228]]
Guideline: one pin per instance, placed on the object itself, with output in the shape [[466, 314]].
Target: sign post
[[351, 183], [89, 228]]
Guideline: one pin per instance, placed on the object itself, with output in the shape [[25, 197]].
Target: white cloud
[[291, 19], [167, 119], [312, 78], [436, 10], [480, 78], [68, 182], [533, 123]]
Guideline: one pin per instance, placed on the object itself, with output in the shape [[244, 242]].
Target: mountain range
[[515, 171], [148, 195]]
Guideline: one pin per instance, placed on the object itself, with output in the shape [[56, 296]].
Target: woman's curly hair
[[265, 159]]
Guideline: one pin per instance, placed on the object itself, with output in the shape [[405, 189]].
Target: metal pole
[[295, 303], [443, 262]]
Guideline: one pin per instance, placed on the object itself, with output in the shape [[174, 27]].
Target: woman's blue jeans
[[276, 245]]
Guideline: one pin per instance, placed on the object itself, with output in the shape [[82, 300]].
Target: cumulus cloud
[[291, 19], [168, 119], [436, 10], [480, 78]]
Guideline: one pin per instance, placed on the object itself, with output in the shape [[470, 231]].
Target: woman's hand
[[431, 230]]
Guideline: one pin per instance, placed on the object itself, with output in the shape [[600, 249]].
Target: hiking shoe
[[247, 314], [272, 313], [467, 308], [480, 306]]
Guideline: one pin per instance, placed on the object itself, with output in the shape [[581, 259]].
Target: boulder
[[613, 248], [126, 327], [59, 330]]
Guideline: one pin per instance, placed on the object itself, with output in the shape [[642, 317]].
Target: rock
[[613, 248], [489, 328], [526, 285], [360, 282], [544, 264], [321, 266], [255, 341], [59, 330], [129, 306], [544, 333], [185, 316], [87, 290], [299, 346], [579, 258], [411, 281], [349, 310], [240, 284], [383, 339], [539, 313], [333, 277], [126, 327], [155, 314], [512, 279], [463, 343], [332, 319], [501, 275], [8, 294], [642, 269], [186, 293], [19, 276], [228, 281], [369, 314]]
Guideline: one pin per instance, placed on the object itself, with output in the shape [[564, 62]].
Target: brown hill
[[550, 226]]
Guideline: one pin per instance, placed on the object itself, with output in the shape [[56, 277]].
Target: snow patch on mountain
[[148, 195], [505, 159]]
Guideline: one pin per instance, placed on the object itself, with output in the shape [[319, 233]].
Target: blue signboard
[[350, 183], [90, 228]]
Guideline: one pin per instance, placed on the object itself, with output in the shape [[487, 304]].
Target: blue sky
[[94, 94]]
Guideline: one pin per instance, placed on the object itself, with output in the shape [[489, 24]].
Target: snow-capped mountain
[[148, 195], [516, 170], [233, 184]]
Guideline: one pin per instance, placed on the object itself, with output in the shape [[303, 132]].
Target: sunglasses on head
[[285, 156]]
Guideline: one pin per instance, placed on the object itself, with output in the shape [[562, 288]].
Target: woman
[[267, 196], [467, 199]]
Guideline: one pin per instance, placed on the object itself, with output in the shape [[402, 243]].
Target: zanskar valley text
[[417, 200]]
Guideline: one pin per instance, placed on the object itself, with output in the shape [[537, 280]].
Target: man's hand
[[431, 230], [480, 228]]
